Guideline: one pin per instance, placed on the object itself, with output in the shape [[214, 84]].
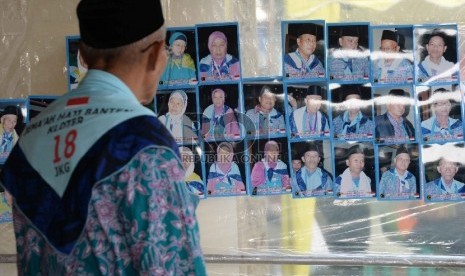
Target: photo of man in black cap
[[393, 125], [390, 64], [309, 120], [398, 182], [312, 179], [349, 61], [96, 179], [352, 114], [354, 180], [303, 63], [8, 134]]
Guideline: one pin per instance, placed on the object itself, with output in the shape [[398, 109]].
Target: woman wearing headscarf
[[219, 119], [180, 67], [193, 180], [224, 177], [270, 175], [180, 126], [219, 64]]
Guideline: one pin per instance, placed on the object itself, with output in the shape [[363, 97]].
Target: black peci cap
[[314, 90], [349, 31], [308, 28], [398, 92], [312, 147], [106, 24], [355, 150], [10, 110], [390, 35], [350, 89], [401, 149]]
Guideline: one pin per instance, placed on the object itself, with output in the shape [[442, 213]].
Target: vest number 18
[[70, 146]]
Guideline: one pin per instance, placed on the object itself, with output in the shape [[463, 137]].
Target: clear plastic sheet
[[33, 61]]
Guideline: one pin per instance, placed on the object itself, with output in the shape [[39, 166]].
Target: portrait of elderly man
[[393, 125], [312, 179], [303, 63], [446, 186], [88, 197], [266, 119], [435, 66], [353, 181], [398, 182], [309, 120], [349, 61], [349, 122], [441, 126], [391, 66], [8, 134]]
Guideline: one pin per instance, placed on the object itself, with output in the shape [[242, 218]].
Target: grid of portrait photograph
[[360, 111]]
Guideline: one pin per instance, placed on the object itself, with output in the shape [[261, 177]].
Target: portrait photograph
[[219, 52], [177, 111], [394, 114], [181, 68], [354, 165], [13, 114], [192, 164], [225, 168], [308, 107], [269, 166], [444, 167], [264, 109], [399, 172], [348, 52], [220, 108], [352, 112], [392, 54], [311, 169], [76, 66], [304, 49], [436, 57], [440, 113]]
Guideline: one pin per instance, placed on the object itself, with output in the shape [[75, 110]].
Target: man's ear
[[156, 54], [82, 55]]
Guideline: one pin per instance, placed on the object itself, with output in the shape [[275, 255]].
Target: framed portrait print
[[218, 52], [436, 56], [304, 50]]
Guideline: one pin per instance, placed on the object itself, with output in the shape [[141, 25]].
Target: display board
[[360, 111]]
